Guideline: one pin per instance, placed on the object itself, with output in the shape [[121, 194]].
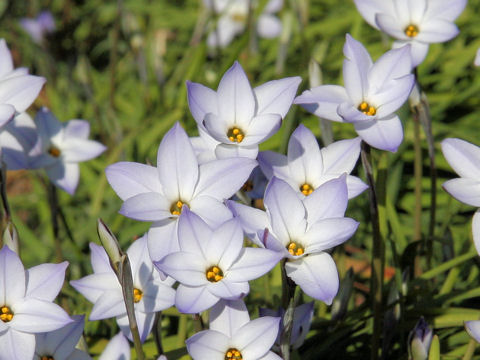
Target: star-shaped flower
[[212, 264], [40, 26], [233, 336], [102, 288], [415, 22], [372, 93], [116, 349], [60, 147], [237, 117], [306, 166], [159, 193], [26, 304], [301, 231]]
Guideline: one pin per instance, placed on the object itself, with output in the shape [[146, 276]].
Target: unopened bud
[[110, 244], [10, 237], [420, 339]]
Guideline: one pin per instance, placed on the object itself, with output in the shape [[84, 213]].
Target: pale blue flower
[[116, 349], [40, 26], [26, 304], [372, 94]]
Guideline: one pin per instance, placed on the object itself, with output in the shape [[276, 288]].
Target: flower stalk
[[289, 300]]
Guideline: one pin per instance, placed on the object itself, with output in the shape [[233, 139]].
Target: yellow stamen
[[137, 295], [367, 109], [47, 357], [6, 314], [411, 30], [176, 208], [248, 186], [214, 274], [295, 249], [238, 17], [306, 189], [54, 151], [233, 354], [235, 135]]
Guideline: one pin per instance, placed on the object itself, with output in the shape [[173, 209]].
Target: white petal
[[355, 69], [20, 91], [437, 30], [391, 99], [78, 150], [269, 26], [192, 300], [77, 128], [108, 305], [328, 233], [227, 316], [252, 264], [65, 176], [329, 200], [341, 156], [146, 207], [12, 277], [17, 345], [6, 62], [273, 164], [445, 9], [419, 50], [225, 32], [223, 247], [227, 290], [323, 101], [61, 343], [225, 151], [251, 219], [476, 230], [45, 281], [163, 239], [276, 96], [477, 58], [463, 157], [117, 349], [208, 344], [464, 190], [7, 113], [473, 329], [369, 8], [99, 259], [201, 100], [212, 211], [383, 134], [255, 338]]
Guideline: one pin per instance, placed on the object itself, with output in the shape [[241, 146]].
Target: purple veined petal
[[108, 305], [412, 11], [227, 290], [323, 101], [445, 9], [252, 264], [65, 176], [355, 186], [369, 8], [225, 32], [269, 26], [304, 157], [201, 101], [144, 322], [93, 286], [276, 96], [192, 300], [227, 316], [12, 277], [393, 98], [391, 26], [383, 134], [99, 259], [77, 128], [6, 62], [186, 268], [437, 30], [225, 244], [419, 50], [118, 348], [60, 343], [177, 165], [221, 179], [464, 190], [193, 233], [251, 220], [17, 345], [273, 164], [273, 6], [329, 200], [350, 113], [316, 274], [163, 239], [261, 128], [302, 318], [157, 296], [212, 211], [341, 156], [140, 263], [217, 128], [20, 91], [390, 66], [255, 338], [45, 281], [476, 230], [129, 179], [236, 103], [356, 66], [78, 150], [7, 112], [208, 344], [463, 157], [328, 233], [285, 210], [226, 151], [149, 206], [473, 329], [33, 315]]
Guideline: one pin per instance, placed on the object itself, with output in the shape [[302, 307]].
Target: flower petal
[[225, 151], [187, 268], [60, 343], [211, 210], [7, 112], [65, 176], [473, 329], [193, 233], [117, 348], [383, 134], [45, 281], [93, 286], [316, 274], [149, 206], [201, 100], [369, 8], [6, 62], [157, 296], [17, 345], [108, 305], [341, 156], [273, 164], [445, 9], [163, 239], [12, 277], [252, 264], [464, 190], [224, 246], [323, 101], [251, 220], [394, 97], [77, 128], [227, 290], [227, 316], [328, 233], [269, 26], [78, 150], [261, 128], [144, 323], [99, 259], [390, 25], [463, 157], [255, 338], [192, 300], [355, 69], [276, 96], [437, 30], [476, 230], [20, 91], [208, 344]]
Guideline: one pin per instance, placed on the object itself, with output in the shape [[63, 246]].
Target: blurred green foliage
[[123, 65]]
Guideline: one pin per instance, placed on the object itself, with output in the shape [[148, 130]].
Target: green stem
[[470, 350], [377, 254], [288, 303], [157, 332], [54, 210]]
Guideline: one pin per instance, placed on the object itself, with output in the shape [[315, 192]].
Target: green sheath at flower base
[[110, 243]]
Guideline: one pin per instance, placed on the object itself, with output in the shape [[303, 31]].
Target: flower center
[[176, 208], [411, 31], [233, 354], [235, 135], [367, 109], [306, 189], [248, 186], [6, 314], [54, 151], [137, 295], [239, 18], [295, 249], [47, 357], [214, 274]]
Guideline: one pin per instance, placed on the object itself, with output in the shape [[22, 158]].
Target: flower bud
[[10, 237], [110, 243], [420, 339]]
